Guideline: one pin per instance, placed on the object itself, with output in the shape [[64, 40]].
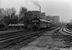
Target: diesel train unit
[[36, 23]]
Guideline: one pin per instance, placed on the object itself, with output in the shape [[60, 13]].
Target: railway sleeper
[[15, 41]]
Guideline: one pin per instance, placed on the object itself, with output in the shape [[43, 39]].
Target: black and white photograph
[[35, 24]]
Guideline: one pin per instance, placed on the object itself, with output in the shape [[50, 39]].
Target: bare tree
[[10, 11], [2, 13], [22, 12]]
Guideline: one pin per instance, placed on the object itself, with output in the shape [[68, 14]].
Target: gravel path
[[49, 41]]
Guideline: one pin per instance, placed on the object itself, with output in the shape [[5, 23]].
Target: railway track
[[11, 39]]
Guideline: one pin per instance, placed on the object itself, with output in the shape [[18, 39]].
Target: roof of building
[[16, 25]]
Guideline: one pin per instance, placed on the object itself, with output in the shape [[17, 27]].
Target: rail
[[11, 39]]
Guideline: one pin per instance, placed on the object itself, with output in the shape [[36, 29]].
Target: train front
[[35, 23]]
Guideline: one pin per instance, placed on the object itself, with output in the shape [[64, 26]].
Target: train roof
[[43, 20]]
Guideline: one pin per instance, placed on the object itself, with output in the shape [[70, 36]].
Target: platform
[[9, 31]]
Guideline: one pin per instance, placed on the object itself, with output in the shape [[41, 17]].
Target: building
[[43, 15], [70, 21], [38, 14], [54, 19]]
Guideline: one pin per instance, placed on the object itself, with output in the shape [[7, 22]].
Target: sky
[[62, 8]]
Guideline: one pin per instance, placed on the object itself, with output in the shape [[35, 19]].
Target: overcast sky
[[62, 8]]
